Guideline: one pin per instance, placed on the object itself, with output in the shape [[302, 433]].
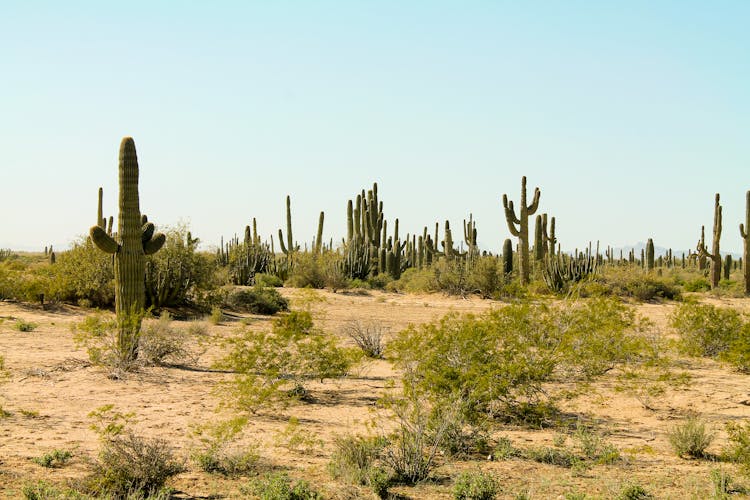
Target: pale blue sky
[[628, 115]]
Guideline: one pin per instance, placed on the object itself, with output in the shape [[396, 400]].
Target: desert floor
[[51, 389]]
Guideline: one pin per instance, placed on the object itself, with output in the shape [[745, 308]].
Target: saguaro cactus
[[522, 229], [650, 255], [507, 257], [745, 233], [133, 242], [715, 255]]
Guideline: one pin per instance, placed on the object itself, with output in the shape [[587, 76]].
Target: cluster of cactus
[[135, 239], [169, 278], [561, 271]]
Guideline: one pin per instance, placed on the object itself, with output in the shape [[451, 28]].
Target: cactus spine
[[715, 255], [522, 229], [133, 242], [745, 233]]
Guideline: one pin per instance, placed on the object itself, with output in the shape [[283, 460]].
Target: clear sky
[[628, 115]]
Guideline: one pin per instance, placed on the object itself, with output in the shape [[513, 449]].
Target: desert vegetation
[[383, 365]]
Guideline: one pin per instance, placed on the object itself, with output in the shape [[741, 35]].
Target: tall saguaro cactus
[[134, 240], [650, 255], [519, 227], [745, 233], [715, 255]]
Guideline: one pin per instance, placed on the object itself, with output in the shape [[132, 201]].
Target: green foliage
[[83, 273], [354, 458], [131, 465], [216, 316], [268, 280], [698, 284], [475, 486], [178, 274], [278, 486], [109, 423], [690, 438], [24, 326], [497, 362], [704, 329], [42, 490], [629, 283], [633, 492], [415, 280], [53, 459], [296, 439], [160, 343], [216, 453], [257, 300], [738, 450], [272, 366]]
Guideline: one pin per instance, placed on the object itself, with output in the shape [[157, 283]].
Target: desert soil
[[51, 389]]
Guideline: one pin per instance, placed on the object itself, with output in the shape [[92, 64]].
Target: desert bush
[[738, 449], [367, 335], [160, 343], [83, 273], [485, 277], [498, 361], [268, 280], [699, 284], [257, 300], [414, 280], [279, 486], [308, 271], [53, 459], [130, 464], [634, 492], [354, 457], [216, 453], [42, 490], [704, 329], [690, 438], [627, 282], [24, 326], [475, 486], [273, 366], [216, 316]]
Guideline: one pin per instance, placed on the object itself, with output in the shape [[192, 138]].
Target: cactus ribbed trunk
[[715, 255], [650, 255]]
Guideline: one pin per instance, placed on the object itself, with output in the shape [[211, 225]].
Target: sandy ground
[[51, 390]]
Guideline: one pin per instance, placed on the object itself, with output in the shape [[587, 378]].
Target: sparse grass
[[634, 492], [279, 486], [354, 457], [216, 316]]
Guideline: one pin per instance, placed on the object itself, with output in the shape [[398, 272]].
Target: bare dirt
[[51, 389]]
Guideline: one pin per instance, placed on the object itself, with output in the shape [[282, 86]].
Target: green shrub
[[498, 361], [273, 366], [308, 272], [160, 343], [268, 280], [697, 285], [177, 274], [354, 457], [690, 438], [414, 280], [83, 273], [24, 326], [552, 455], [216, 453], [129, 464], [53, 459], [475, 486], [738, 450], [634, 492], [704, 329], [257, 300], [216, 316], [278, 486], [42, 490]]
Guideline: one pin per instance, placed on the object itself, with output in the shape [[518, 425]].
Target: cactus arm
[[147, 232], [510, 213], [154, 244], [742, 231], [535, 202], [281, 243], [103, 241]]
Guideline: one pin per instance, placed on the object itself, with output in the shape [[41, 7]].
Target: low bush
[[279, 486], [704, 329], [42, 490], [53, 459], [257, 300], [738, 450], [132, 465], [25, 326], [475, 486], [268, 280], [367, 335], [634, 492], [354, 458], [690, 438], [272, 367]]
